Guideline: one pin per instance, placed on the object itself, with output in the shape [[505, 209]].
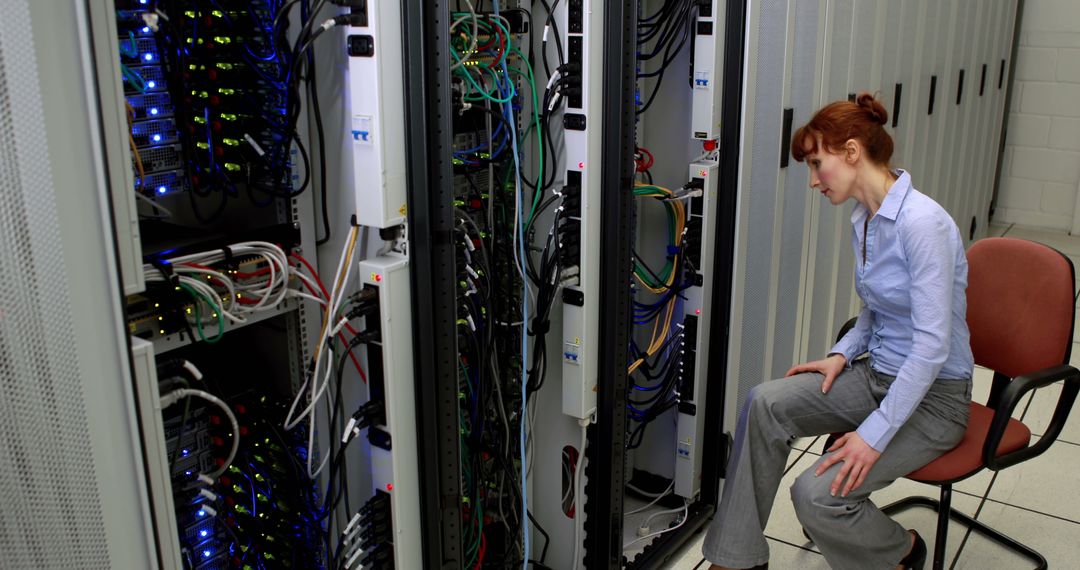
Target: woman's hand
[[858, 458], [830, 367]]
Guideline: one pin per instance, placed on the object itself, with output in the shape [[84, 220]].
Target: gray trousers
[[850, 531]]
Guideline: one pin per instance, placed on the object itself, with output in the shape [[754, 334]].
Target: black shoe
[[916, 559]]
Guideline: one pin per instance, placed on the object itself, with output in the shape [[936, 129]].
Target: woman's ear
[[852, 151]]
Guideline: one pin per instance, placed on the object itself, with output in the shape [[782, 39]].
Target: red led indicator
[[389, 486], [378, 278], [581, 165], [698, 311]]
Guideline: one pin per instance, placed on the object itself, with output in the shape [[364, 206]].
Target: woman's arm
[[930, 245]]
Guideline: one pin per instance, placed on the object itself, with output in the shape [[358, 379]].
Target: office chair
[[1021, 308]]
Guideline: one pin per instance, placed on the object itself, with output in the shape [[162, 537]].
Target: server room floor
[[1031, 502]]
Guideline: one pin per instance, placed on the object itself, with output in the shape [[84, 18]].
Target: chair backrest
[[1021, 305]]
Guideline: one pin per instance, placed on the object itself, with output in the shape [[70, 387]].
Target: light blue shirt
[[913, 286]]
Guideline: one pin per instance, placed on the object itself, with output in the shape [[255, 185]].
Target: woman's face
[[830, 173]]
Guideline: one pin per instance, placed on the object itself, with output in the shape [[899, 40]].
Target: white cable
[[685, 509], [475, 30], [311, 380], [649, 519], [644, 493], [654, 501], [175, 396]]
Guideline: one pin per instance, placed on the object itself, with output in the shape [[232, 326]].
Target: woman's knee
[[810, 494]]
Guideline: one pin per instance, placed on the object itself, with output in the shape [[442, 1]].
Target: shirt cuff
[[876, 431]]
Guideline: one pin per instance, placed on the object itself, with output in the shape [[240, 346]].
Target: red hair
[[862, 120]]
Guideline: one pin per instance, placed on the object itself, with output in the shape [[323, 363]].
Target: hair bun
[[873, 107]]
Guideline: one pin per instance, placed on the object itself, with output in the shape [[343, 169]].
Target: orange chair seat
[[966, 457]]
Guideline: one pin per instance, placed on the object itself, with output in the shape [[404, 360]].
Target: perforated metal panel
[[48, 485]]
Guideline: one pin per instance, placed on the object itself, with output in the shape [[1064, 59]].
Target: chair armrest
[[1010, 398], [847, 326]]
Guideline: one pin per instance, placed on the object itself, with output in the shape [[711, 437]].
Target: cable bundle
[[655, 371], [227, 294], [668, 28]]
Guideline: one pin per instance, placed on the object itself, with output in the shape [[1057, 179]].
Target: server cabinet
[[73, 474]]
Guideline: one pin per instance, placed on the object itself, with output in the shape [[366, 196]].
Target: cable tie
[[205, 479], [352, 523], [254, 145], [348, 430], [472, 272], [167, 270], [352, 559], [547, 29], [210, 496], [197, 376], [228, 256], [472, 324], [210, 511]]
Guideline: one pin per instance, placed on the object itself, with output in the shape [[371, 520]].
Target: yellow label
[[402, 210]]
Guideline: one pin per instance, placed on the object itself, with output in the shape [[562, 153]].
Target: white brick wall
[[1040, 177]]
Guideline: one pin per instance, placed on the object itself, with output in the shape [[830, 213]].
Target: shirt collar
[[894, 199]]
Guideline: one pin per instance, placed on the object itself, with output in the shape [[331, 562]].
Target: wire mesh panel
[[48, 484]]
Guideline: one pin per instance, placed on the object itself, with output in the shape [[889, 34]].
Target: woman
[[901, 407]]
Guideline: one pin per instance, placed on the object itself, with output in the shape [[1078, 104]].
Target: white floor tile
[[1065, 243], [1057, 540], [784, 556], [1046, 484], [808, 443], [782, 523], [997, 230], [1041, 412]]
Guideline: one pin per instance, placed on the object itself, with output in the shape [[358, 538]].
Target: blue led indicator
[[148, 56], [202, 513], [206, 554], [162, 190], [203, 533], [146, 29], [153, 110], [183, 452], [188, 472], [143, 1], [151, 84], [157, 138]]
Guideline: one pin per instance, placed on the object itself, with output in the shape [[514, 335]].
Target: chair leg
[[943, 523], [945, 507]]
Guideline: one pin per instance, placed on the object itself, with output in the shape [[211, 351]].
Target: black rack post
[[425, 32], [604, 509]]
